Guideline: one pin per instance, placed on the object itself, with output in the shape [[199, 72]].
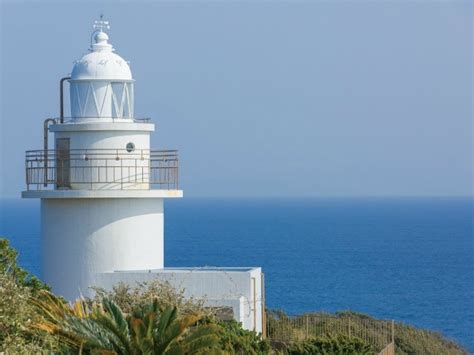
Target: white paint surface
[[106, 139], [102, 126], [84, 139], [83, 237]]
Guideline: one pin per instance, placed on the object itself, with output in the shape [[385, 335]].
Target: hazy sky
[[266, 98]]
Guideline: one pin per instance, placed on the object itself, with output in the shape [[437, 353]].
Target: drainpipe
[[254, 286], [61, 98], [45, 148]]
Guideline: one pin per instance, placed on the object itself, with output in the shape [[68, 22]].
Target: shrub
[[236, 340], [337, 344], [130, 297], [411, 340], [9, 266], [16, 311]]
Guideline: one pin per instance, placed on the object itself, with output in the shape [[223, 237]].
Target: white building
[[102, 191]]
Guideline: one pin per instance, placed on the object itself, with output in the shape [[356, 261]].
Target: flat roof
[[193, 269]]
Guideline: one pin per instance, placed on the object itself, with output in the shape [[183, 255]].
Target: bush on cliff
[[17, 313], [331, 344]]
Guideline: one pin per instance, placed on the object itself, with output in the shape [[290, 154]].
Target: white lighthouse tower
[[99, 210], [102, 191]]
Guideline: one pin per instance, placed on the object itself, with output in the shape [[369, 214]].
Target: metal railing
[[68, 119], [101, 169], [287, 329]]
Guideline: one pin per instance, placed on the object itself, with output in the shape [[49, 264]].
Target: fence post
[[393, 332], [307, 326]]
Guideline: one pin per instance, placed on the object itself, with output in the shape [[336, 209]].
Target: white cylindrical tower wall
[[97, 140], [98, 154], [84, 237]]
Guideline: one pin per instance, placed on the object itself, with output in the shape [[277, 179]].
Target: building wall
[[106, 139], [92, 157], [84, 237], [240, 288]]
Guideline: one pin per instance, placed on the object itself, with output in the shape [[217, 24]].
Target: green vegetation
[[347, 330], [331, 344], [103, 328], [232, 338], [151, 318], [411, 340], [236, 340], [10, 269], [154, 318], [17, 312]]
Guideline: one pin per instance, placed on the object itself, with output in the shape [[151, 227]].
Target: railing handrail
[[70, 118], [72, 153], [140, 168]]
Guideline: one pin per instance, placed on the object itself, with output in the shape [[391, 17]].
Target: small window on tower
[[130, 147]]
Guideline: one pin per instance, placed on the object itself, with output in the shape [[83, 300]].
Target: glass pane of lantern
[[75, 102], [118, 98], [102, 98], [130, 99], [81, 99], [127, 106]]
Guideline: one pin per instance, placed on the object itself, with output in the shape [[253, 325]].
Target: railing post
[[26, 175]]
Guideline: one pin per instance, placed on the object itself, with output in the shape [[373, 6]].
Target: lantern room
[[101, 83]]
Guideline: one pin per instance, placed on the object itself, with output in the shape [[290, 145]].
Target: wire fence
[[287, 329]]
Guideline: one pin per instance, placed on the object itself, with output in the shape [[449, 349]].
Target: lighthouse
[[102, 189]]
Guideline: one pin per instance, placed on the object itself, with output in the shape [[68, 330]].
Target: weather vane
[[101, 25]]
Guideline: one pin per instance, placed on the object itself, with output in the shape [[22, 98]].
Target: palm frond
[[112, 319], [199, 339]]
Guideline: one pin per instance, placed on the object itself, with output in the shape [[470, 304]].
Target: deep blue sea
[[409, 259]]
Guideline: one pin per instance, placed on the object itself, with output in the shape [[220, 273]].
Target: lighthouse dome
[[101, 83], [101, 63]]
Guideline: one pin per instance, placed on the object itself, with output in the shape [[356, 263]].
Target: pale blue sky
[[266, 98]]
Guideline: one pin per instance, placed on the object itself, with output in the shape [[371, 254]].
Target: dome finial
[[101, 25]]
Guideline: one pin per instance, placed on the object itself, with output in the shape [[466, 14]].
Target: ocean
[[408, 259]]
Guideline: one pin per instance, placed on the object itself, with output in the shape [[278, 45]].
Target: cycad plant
[[102, 328]]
